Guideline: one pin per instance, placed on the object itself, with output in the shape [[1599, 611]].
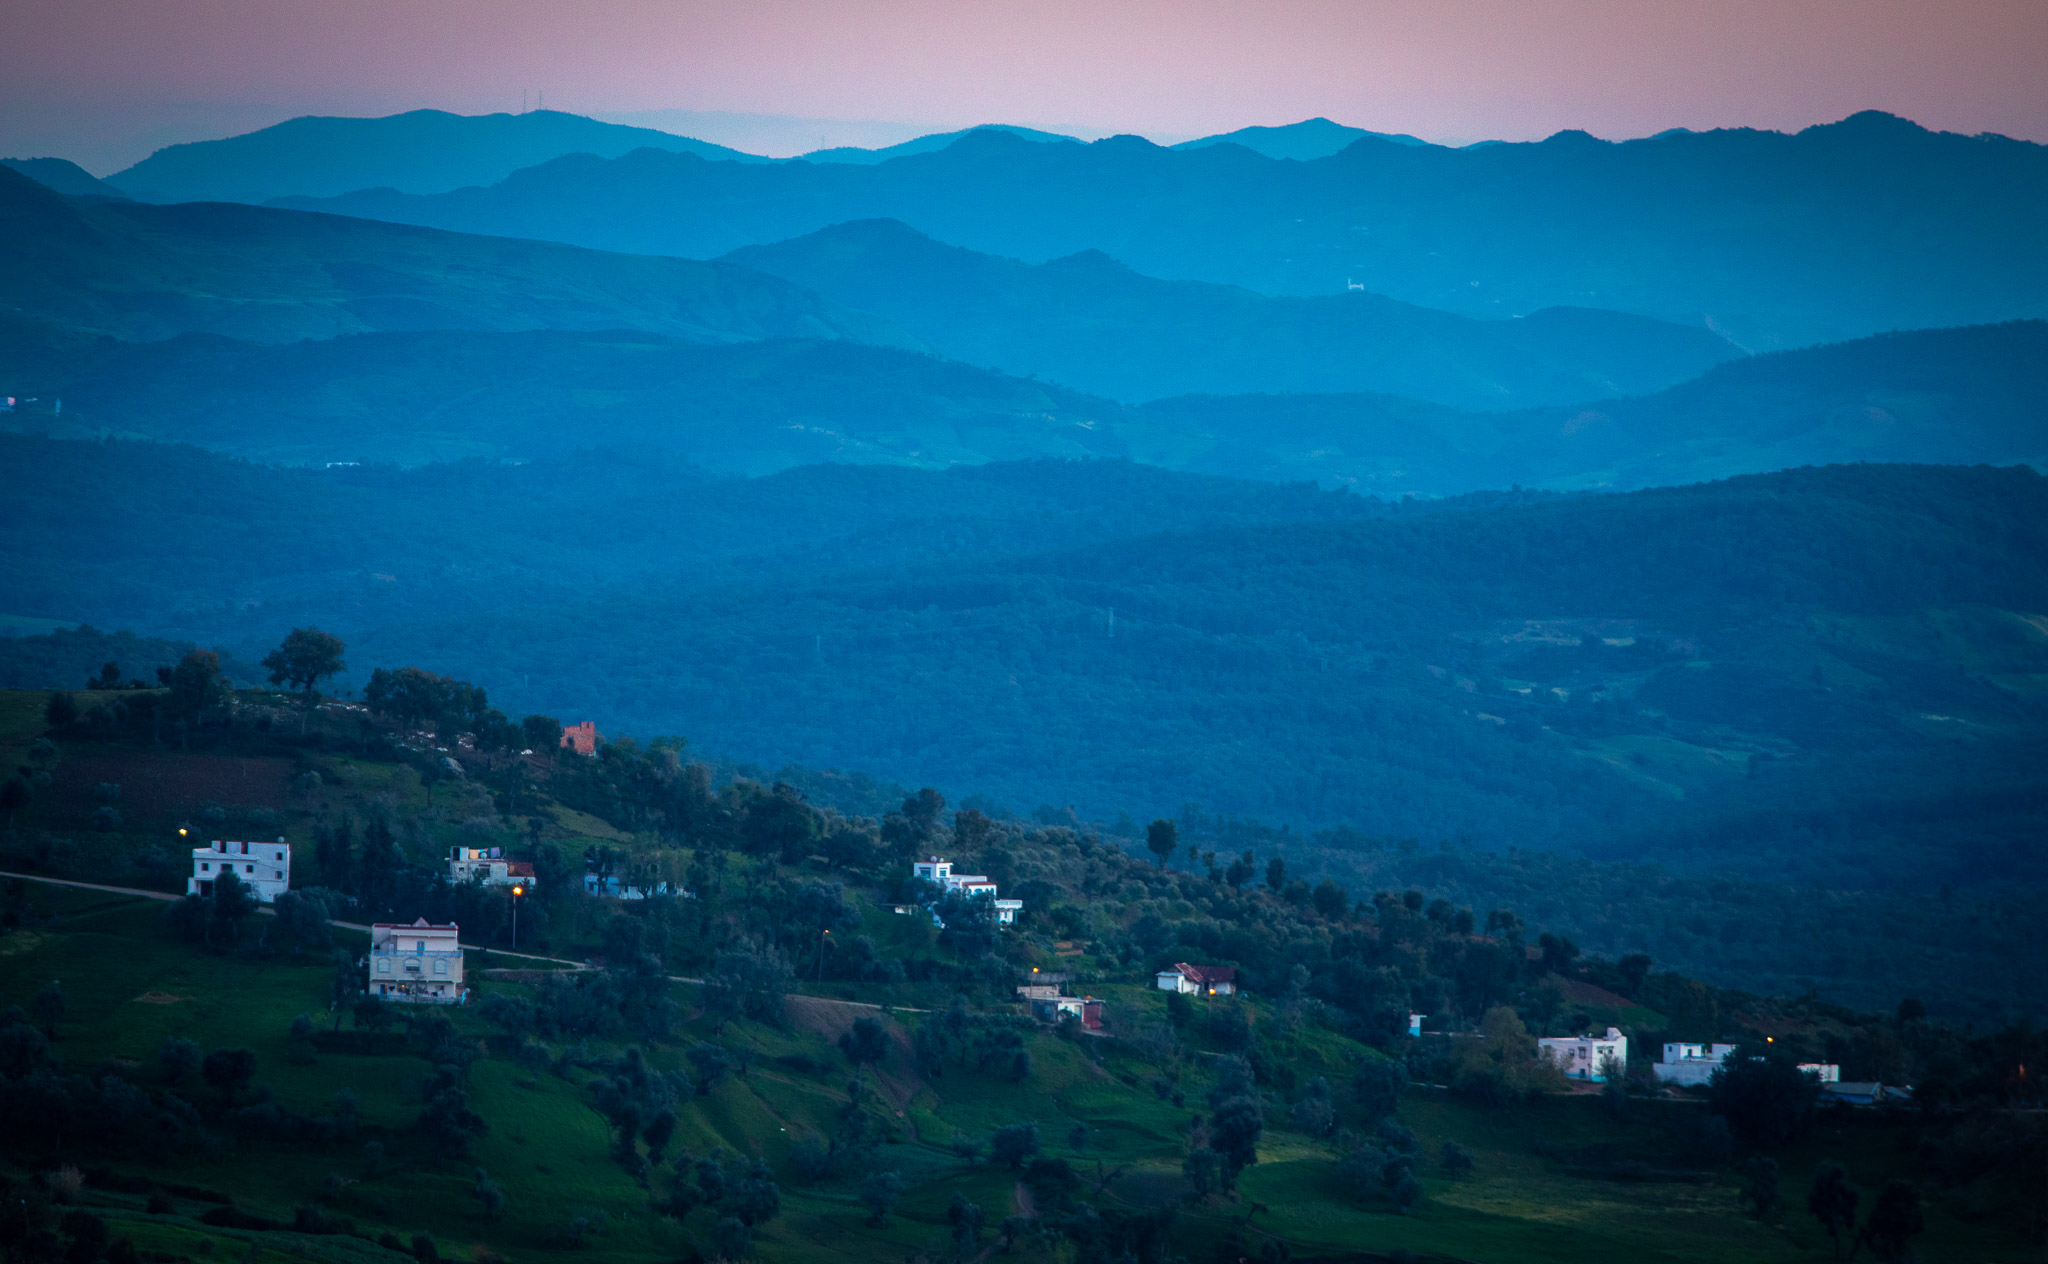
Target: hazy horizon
[[106, 82]]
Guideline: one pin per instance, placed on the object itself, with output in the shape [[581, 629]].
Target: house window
[[248, 868], [384, 966], [440, 965], [204, 867]]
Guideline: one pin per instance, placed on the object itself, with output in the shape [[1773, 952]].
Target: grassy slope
[[549, 1150]]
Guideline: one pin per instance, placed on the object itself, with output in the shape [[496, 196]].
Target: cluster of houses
[[418, 964], [1686, 1063], [938, 871], [421, 963], [489, 866], [1691, 1065]]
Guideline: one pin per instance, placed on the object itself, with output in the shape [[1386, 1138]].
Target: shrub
[[1455, 1159], [879, 1193]]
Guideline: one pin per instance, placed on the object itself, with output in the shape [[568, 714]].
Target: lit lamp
[[517, 891]]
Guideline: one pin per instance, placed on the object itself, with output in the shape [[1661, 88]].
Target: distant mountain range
[[1841, 230], [1089, 322], [433, 151], [1308, 139], [424, 151], [925, 145], [140, 272]]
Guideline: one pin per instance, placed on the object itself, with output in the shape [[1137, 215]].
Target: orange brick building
[[581, 738]]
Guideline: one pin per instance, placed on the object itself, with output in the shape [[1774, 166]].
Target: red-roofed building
[[1218, 980], [581, 738]]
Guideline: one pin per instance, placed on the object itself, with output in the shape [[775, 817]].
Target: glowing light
[[519, 890]]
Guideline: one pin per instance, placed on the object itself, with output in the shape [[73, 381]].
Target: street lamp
[[821, 953], [517, 891]]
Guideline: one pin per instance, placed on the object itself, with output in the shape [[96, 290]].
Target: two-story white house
[[420, 964], [1585, 1057], [489, 866], [265, 868], [938, 871]]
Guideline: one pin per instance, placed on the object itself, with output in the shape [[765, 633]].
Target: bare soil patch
[[165, 785]]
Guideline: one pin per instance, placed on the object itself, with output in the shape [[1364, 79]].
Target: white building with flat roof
[[265, 868], [938, 871], [420, 964], [1585, 1057], [1687, 1063]]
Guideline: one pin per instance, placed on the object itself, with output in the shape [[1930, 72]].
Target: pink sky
[[103, 81]]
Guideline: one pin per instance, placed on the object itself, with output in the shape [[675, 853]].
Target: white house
[[420, 964], [1688, 1063], [265, 868], [1825, 1072], [1415, 1024], [1050, 1009], [489, 866], [938, 871], [1195, 980], [1585, 1057]]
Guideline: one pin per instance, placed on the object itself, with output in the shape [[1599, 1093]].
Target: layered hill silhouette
[[423, 151], [1962, 396], [139, 272], [1092, 323], [411, 398], [62, 176], [1850, 228]]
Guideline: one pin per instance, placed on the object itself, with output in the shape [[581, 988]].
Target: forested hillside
[[1830, 675], [1780, 240]]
